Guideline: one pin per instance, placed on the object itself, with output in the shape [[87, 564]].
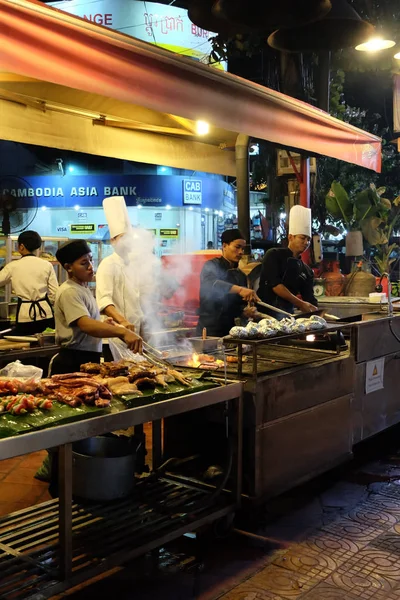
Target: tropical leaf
[[338, 203], [386, 203], [372, 233]]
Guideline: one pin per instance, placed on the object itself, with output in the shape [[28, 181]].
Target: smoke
[[150, 280]]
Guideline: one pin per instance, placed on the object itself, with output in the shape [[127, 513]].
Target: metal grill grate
[[103, 535]]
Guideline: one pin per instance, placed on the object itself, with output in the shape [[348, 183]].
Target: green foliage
[[366, 210]]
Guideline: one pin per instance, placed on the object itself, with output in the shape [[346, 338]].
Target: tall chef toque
[[300, 221], [71, 251], [117, 215]]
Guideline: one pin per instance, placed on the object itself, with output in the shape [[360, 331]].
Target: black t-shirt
[[281, 267], [218, 308]]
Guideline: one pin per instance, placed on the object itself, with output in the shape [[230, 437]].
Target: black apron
[[38, 321]]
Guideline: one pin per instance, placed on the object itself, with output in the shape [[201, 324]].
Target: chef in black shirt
[[223, 288], [284, 276]]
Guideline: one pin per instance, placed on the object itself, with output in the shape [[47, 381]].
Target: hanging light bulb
[[375, 44], [397, 56]]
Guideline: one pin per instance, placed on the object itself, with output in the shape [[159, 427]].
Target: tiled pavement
[[18, 488], [338, 540]]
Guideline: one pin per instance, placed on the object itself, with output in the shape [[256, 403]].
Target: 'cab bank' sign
[[192, 191]]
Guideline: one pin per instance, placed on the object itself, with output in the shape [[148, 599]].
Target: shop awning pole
[[242, 187]]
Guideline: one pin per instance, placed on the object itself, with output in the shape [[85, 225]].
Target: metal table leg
[[65, 509], [156, 443]]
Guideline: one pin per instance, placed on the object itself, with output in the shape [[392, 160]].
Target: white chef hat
[[300, 221], [117, 215]]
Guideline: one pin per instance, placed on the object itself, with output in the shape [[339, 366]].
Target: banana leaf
[[338, 203], [372, 233], [61, 414]]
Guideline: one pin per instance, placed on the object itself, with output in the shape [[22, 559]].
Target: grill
[[104, 535]]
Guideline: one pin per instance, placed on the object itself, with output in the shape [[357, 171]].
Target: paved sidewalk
[[331, 540]]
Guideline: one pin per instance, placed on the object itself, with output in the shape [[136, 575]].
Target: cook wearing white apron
[[34, 283]]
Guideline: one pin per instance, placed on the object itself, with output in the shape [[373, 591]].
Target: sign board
[[374, 375], [166, 26], [192, 191], [169, 233], [83, 228]]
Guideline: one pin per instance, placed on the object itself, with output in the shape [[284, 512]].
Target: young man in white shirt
[[34, 283]]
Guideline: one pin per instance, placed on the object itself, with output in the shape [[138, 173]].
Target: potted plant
[[359, 216], [378, 232]]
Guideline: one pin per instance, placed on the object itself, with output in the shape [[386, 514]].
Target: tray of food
[[27, 405], [271, 329]]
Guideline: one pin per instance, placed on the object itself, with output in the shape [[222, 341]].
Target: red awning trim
[[44, 43]]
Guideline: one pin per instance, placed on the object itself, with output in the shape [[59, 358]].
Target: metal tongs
[[321, 312], [154, 355]]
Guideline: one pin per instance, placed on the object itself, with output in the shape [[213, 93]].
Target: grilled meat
[[160, 380], [179, 377], [91, 368], [111, 369], [140, 374], [145, 382]]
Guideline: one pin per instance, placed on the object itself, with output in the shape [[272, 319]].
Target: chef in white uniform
[[118, 278], [34, 283]]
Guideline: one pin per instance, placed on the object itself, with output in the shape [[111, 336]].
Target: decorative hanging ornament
[[263, 15], [341, 28], [200, 13]]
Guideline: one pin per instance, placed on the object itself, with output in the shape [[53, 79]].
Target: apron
[[37, 315], [36, 311]]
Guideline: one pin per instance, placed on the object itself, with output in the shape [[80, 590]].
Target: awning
[[70, 53]]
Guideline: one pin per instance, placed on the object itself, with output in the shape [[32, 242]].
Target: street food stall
[[67, 83], [51, 547]]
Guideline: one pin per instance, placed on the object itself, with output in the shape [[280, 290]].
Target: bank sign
[[88, 191], [192, 191]]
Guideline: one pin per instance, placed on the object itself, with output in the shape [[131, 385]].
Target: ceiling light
[[202, 128], [168, 207], [397, 56], [76, 207], [190, 207], [71, 169], [375, 44], [44, 207], [139, 206], [206, 209], [221, 214]]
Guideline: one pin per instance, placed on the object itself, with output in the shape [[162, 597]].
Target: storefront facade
[[183, 213]]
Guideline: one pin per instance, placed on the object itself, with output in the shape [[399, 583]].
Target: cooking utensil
[[154, 355], [5, 331], [320, 312]]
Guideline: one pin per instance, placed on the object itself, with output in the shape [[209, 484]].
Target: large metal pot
[[103, 468]]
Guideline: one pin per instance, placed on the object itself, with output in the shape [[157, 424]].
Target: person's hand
[[307, 307], [127, 325], [133, 341], [248, 295], [250, 312]]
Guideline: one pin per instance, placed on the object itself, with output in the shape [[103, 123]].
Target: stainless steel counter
[[53, 546]]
